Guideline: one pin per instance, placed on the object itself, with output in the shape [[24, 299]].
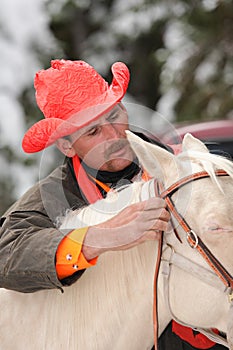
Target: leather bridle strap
[[192, 238], [155, 305], [190, 178]]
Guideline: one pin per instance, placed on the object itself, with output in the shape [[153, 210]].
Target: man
[[84, 116]]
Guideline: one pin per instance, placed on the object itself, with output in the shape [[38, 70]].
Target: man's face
[[103, 144]]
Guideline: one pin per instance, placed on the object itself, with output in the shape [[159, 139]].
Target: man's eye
[[113, 117], [92, 132]]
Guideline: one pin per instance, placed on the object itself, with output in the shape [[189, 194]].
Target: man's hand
[[135, 224]]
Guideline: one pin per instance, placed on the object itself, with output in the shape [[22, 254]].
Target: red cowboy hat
[[71, 94]]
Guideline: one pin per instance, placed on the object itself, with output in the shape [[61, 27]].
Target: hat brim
[[45, 132]]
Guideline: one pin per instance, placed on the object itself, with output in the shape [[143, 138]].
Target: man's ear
[[65, 146]]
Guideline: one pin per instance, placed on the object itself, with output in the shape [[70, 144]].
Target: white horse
[[110, 306]]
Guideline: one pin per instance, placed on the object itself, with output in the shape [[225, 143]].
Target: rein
[[192, 238]]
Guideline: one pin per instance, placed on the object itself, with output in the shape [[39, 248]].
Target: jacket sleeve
[[29, 238], [28, 245]]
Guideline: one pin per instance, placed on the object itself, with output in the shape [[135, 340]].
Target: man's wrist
[[90, 248]]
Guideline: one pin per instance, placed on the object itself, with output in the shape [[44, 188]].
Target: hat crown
[[68, 87]]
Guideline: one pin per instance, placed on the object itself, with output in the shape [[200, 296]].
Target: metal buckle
[[230, 296], [192, 239]]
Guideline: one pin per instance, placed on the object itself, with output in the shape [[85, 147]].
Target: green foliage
[[96, 32], [205, 80]]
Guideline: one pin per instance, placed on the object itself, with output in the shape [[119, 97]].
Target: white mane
[[209, 162]]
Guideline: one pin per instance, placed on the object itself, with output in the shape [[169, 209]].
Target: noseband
[[192, 238]]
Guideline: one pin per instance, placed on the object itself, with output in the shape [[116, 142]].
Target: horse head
[[206, 205]]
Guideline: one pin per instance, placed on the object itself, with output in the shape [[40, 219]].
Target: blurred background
[[179, 54]]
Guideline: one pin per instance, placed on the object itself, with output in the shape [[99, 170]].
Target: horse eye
[[215, 228]]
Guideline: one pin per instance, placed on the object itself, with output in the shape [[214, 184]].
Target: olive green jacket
[[27, 262]]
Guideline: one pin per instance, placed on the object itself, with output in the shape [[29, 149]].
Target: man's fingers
[[155, 214], [152, 203], [165, 215]]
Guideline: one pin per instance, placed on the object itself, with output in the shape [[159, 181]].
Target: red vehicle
[[217, 135]]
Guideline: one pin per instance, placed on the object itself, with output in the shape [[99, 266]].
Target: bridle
[[192, 237]]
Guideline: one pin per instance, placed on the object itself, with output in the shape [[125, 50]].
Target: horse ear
[[191, 142], [154, 159]]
